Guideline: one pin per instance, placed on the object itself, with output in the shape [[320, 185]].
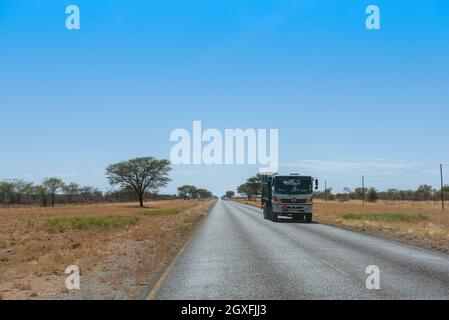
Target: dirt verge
[[119, 248]]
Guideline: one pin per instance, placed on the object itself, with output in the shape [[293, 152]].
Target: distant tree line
[[51, 191], [250, 189], [422, 193], [137, 179], [192, 192], [129, 195], [229, 194]]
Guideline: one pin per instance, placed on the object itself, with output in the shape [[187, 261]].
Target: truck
[[288, 196]]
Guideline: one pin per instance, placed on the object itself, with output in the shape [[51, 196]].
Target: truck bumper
[[291, 208]]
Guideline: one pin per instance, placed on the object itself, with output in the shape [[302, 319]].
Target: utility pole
[[363, 189], [325, 190], [442, 186]]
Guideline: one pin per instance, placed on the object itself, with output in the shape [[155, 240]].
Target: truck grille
[[296, 201]]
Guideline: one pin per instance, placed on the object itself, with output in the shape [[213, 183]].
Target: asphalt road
[[236, 254]]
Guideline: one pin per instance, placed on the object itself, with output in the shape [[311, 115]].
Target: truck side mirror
[[316, 184]]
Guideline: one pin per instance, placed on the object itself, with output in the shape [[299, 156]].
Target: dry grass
[[421, 223], [118, 247]]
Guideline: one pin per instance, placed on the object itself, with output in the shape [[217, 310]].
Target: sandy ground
[[432, 233], [115, 262]]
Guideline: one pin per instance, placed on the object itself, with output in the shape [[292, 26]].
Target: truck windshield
[[293, 185]]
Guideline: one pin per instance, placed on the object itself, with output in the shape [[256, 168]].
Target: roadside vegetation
[[138, 179], [119, 239], [118, 247], [420, 223], [408, 217], [83, 223], [168, 212], [191, 192], [252, 189], [424, 192]]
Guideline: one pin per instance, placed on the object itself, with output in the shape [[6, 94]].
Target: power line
[[402, 172], [343, 180], [386, 175]]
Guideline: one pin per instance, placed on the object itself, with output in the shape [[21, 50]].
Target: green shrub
[[165, 212], [83, 223], [385, 216]]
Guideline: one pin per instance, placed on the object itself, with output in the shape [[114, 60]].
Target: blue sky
[[347, 101]]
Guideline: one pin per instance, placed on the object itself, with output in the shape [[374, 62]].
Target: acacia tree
[[424, 192], [141, 174], [6, 192], [254, 184], [53, 185], [204, 193], [372, 195], [230, 194], [20, 188], [252, 187], [191, 192], [71, 190], [42, 193], [245, 190], [187, 191], [86, 192]]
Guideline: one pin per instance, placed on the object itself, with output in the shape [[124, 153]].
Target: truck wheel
[[266, 211], [308, 217], [274, 216]]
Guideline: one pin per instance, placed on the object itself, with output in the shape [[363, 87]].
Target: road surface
[[236, 254]]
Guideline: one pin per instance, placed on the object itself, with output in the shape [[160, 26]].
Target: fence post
[[325, 190], [363, 189], [442, 186]]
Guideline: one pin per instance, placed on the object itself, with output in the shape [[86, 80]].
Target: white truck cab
[[288, 196]]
